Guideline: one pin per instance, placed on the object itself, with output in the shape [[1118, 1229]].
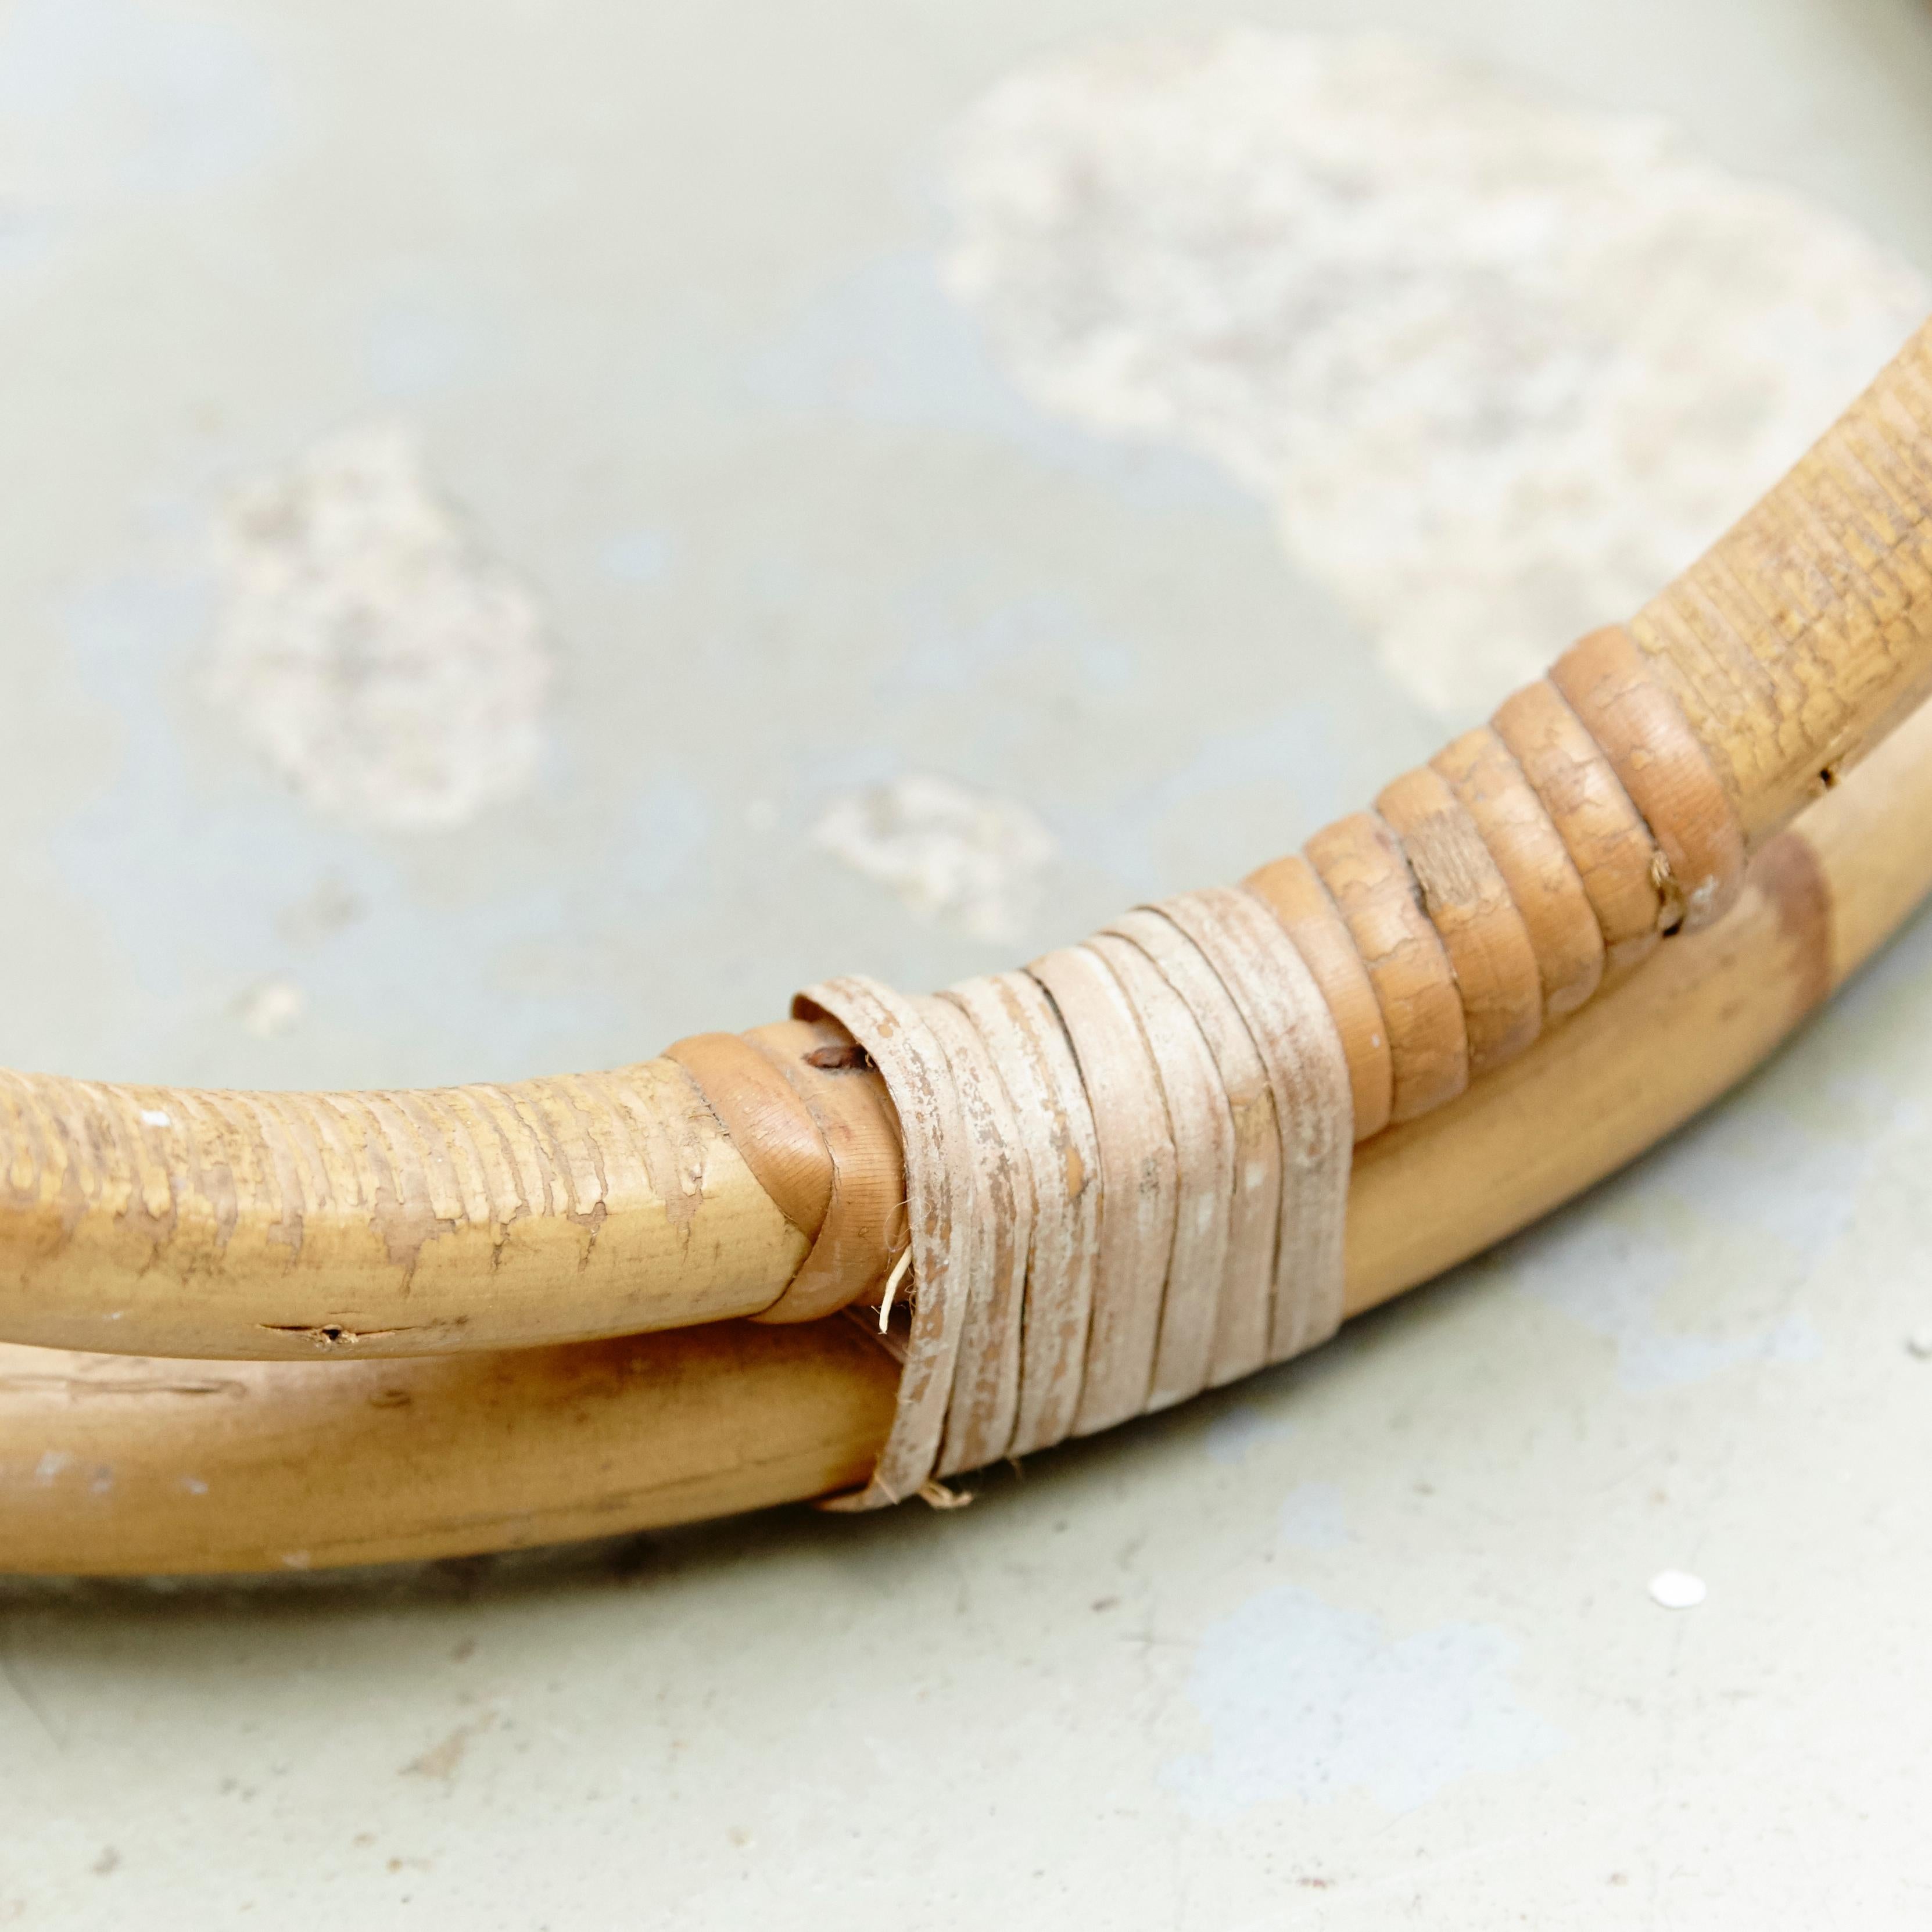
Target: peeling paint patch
[[392, 671], [955, 856], [271, 1009], [1303, 1700], [1504, 365]]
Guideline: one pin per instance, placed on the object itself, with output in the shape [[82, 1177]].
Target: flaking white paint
[[1504, 364], [954, 855], [393, 672]]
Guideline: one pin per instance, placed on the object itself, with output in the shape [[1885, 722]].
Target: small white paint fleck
[[52, 1463], [1677, 1590], [955, 856], [101, 1482], [155, 1117], [391, 670], [1503, 365], [296, 1559], [194, 1486], [270, 1010], [1919, 1343]]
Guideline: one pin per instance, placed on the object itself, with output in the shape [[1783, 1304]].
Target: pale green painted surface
[[1367, 1643]]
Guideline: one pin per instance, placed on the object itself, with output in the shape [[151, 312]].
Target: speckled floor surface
[[835, 613]]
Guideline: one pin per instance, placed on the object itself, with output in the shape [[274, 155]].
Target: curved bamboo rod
[[1533, 863], [153, 1220], [108, 1465]]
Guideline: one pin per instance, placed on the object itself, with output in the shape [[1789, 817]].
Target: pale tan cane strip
[[1241, 1334], [986, 1377], [1055, 1125], [1201, 1126], [1136, 1183], [1297, 1036], [945, 1221]]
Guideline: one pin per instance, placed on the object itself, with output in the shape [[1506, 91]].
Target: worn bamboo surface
[[291, 1224], [1532, 865], [113, 1464]]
